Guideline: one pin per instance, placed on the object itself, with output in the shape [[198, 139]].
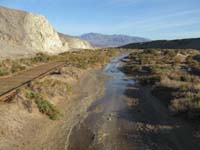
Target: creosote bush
[[47, 108], [44, 105], [175, 72]]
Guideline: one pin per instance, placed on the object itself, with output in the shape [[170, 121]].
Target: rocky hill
[[173, 44], [101, 40], [24, 34], [74, 43]]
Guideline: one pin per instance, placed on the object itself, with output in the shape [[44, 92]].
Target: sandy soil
[[34, 131]]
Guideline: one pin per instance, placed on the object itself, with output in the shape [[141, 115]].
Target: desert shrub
[[17, 68], [41, 57], [47, 108], [146, 59], [154, 69], [151, 51], [185, 78], [171, 53], [177, 60], [81, 59], [44, 105], [33, 95], [3, 72], [149, 80], [178, 105], [159, 69], [191, 62], [89, 58], [184, 88], [131, 69]]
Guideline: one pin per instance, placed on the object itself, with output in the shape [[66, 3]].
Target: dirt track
[[12, 83]]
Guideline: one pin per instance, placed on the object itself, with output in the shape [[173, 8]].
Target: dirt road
[[130, 118]]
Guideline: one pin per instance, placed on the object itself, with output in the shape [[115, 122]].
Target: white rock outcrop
[[75, 43], [24, 34], [40, 34]]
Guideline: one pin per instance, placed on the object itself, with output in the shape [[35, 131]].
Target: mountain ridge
[[114, 40], [190, 43]]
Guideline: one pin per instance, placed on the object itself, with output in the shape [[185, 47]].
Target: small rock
[[109, 118]]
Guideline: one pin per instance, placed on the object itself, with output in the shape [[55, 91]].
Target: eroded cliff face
[[75, 43], [40, 34], [22, 32]]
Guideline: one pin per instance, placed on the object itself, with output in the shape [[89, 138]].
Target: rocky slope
[[74, 43], [24, 34], [101, 40], [172, 44]]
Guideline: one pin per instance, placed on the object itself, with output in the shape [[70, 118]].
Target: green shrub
[[33, 95], [43, 105], [3, 72], [47, 108]]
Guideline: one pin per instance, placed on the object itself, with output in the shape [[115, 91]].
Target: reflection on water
[[112, 67]]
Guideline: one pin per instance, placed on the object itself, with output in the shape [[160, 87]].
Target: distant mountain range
[[102, 40], [193, 43]]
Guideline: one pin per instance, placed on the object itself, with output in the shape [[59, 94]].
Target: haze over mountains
[[116, 40]]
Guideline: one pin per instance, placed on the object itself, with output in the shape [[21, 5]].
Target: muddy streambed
[[109, 111], [127, 117]]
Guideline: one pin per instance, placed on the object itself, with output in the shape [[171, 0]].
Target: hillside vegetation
[[81, 59]]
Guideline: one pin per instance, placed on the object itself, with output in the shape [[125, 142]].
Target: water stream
[[127, 117]]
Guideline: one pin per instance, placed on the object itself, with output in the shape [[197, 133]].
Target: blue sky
[[154, 19]]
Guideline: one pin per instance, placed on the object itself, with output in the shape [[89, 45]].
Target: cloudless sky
[[154, 19]]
